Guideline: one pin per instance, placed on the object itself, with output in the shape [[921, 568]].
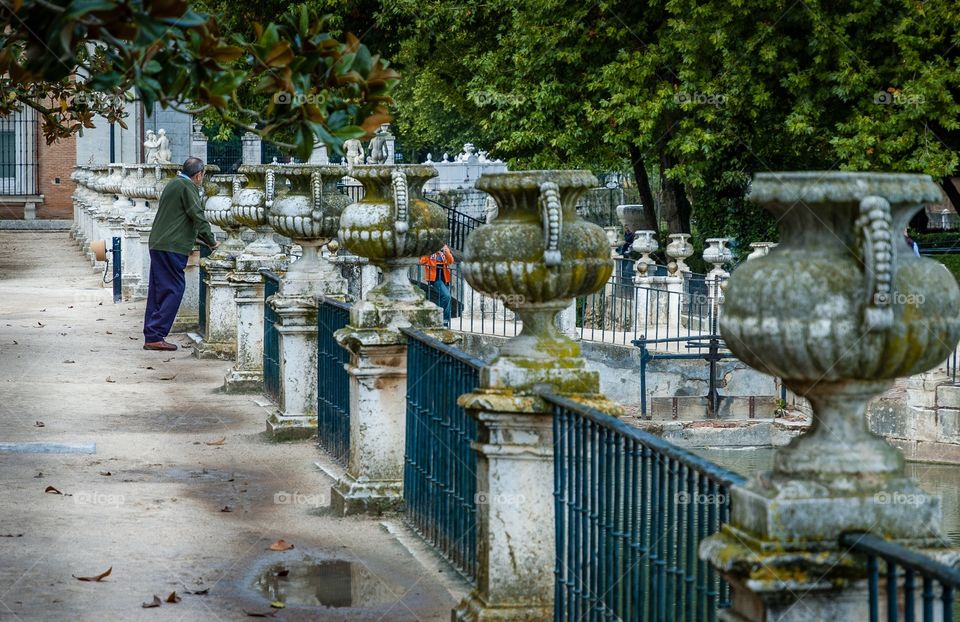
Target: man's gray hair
[[192, 166]]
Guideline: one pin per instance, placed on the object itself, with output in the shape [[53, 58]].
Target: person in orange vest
[[437, 268]]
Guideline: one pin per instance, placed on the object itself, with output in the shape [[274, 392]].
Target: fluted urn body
[[840, 308], [536, 256], [218, 209], [251, 200], [307, 210], [393, 226]]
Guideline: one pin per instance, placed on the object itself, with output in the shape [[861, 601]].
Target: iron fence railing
[[226, 154], [440, 470], [631, 511], [333, 382], [458, 224], [271, 340], [202, 294], [938, 582], [19, 165], [353, 190]]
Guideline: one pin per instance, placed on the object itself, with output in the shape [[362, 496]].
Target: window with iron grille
[[18, 153]]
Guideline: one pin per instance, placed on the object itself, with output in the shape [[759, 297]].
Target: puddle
[[328, 583]]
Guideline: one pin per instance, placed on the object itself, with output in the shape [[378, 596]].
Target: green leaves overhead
[[88, 54]]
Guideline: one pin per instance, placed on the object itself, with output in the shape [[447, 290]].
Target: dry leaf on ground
[[98, 578], [153, 603], [219, 442], [281, 545], [173, 598], [52, 490]]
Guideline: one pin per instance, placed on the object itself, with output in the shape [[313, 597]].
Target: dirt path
[[183, 493]]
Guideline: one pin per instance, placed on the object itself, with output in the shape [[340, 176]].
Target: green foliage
[[951, 262], [702, 93], [79, 59]]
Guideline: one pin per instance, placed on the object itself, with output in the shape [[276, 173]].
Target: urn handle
[[235, 184], [401, 200], [271, 187], [875, 225], [316, 187], [551, 215]]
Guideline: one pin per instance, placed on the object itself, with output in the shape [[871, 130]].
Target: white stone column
[[251, 148], [198, 142], [220, 338], [246, 375], [296, 324], [378, 414]]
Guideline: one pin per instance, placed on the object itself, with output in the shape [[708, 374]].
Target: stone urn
[[679, 249], [537, 256], [393, 227], [218, 209], [308, 212], [645, 242], [838, 310], [251, 201], [760, 249], [717, 254]]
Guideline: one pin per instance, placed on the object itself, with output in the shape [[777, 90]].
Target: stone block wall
[[178, 127]]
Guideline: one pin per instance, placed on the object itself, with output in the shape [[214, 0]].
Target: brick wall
[[56, 161]]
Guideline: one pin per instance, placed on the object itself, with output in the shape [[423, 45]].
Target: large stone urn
[[218, 210], [536, 256], [393, 227], [838, 310], [251, 201], [679, 249], [308, 212]]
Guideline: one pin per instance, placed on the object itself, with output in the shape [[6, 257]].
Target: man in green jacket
[[177, 226]]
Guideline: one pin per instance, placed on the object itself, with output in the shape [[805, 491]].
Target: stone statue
[[163, 147], [150, 145], [378, 148], [353, 149]]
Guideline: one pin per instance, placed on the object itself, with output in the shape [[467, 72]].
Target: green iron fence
[[333, 383], [440, 466], [271, 340], [631, 511]]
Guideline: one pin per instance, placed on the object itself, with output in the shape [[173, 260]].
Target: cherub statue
[[150, 145], [378, 148], [163, 147], [353, 150]]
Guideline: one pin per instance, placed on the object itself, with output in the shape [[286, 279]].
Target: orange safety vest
[[440, 259]]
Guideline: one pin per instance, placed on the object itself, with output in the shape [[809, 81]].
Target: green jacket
[[180, 221]]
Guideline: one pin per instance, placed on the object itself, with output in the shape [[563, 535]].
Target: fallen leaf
[[40, 324], [109, 379], [109, 333], [266, 614], [153, 603], [101, 319], [226, 508], [70, 306], [133, 338], [11, 535], [283, 573], [106, 473], [69, 361], [173, 598], [281, 545], [14, 341], [277, 604], [38, 424], [98, 578], [148, 367], [42, 310], [202, 592], [52, 490], [168, 360], [220, 442], [40, 474], [100, 304], [168, 377]]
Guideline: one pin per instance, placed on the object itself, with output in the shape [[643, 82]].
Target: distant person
[[628, 237], [913, 245], [437, 275], [176, 228]]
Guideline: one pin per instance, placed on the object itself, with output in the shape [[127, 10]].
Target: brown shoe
[[159, 345]]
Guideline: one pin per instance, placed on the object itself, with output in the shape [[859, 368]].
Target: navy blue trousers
[[164, 293]]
